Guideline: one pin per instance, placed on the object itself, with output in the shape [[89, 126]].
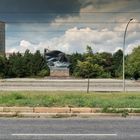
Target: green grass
[[71, 99]]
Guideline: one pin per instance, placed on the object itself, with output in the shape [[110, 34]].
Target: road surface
[[67, 85], [70, 129]]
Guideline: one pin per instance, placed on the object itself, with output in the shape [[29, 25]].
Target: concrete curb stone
[[8, 114], [44, 115], [64, 115], [81, 110], [134, 114], [58, 112], [1, 109], [51, 110], [17, 109], [96, 110], [98, 115]]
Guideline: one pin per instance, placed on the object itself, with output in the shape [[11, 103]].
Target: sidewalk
[[55, 112]]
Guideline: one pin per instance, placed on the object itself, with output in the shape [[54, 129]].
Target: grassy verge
[[72, 99]]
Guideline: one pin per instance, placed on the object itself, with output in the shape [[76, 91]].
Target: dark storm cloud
[[128, 5], [36, 9], [39, 5], [95, 3]]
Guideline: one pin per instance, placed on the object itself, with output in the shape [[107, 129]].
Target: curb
[[64, 112], [67, 115]]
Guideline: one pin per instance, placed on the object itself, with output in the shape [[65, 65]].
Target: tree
[[74, 58], [3, 69], [16, 65], [28, 61], [89, 50], [117, 63], [84, 69], [27, 65], [105, 60], [133, 64], [38, 63], [88, 68]]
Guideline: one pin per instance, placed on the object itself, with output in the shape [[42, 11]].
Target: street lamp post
[[124, 54]]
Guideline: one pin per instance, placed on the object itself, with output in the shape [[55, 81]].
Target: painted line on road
[[70, 135]]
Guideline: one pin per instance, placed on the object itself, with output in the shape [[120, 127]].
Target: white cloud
[[76, 35], [75, 40], [25, 44], [130, 47], [133, 26]]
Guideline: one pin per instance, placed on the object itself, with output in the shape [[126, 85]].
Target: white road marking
[[71, 135]]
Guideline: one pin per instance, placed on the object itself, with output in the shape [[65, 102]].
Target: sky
[[70, 25]]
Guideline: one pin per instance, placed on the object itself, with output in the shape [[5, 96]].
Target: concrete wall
[[2, 38], [59, 72]]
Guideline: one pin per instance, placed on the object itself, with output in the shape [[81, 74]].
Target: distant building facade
[[2, 38]]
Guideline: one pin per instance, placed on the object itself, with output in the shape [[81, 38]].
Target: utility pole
[[124, 54]]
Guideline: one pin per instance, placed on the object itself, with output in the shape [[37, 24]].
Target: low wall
[[59, 72]]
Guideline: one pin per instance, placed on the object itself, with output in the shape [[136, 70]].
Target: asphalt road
[[67, 85], [70, 129]]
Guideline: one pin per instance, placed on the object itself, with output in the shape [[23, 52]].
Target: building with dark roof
[[2, 38]]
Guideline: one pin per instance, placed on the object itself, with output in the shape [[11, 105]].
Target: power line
[[66, 12], [68, 31], [82, 22]]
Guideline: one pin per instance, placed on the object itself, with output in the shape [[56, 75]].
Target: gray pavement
[[67, 85], [70, 129]]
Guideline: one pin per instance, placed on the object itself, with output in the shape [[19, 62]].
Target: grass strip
[[70, 99]]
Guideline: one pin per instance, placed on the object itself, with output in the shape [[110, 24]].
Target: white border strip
[[71, 135]]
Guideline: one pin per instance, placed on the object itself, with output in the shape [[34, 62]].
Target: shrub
[[44, 72]]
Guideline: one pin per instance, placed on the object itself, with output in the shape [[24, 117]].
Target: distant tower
[[2, 38]]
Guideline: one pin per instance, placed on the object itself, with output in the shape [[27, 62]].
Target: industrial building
[[2, 38]]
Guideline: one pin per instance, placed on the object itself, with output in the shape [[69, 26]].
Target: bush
[[105, 75], [43, 73]]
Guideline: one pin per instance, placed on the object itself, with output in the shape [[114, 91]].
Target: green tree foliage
[[88, 64], [27, 65], [133, 64], [89, 51], [38, 62], [117, 64], [74, 58], [87, 67], [3, 66], [106, 61], [16, 65], [28, 60]]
